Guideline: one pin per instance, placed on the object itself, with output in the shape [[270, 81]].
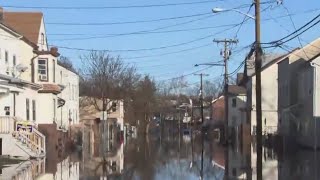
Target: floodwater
[[171, 157]]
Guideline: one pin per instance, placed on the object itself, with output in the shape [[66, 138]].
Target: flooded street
[[155, 158]]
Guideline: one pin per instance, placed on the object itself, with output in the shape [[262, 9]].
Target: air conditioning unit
[[43, 77]]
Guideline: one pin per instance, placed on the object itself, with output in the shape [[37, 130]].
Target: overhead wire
[[110, 7], [295, 33], [149, 49]]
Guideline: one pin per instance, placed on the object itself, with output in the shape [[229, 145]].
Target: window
[[14, 60], [54, 71], [6, 57], [54, 109], [42, 38], [27, 109], [43, 69], [33, 110], [234, 102]]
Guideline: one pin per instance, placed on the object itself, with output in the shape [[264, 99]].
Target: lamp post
[[258, 53]]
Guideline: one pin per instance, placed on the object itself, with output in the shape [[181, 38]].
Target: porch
[[21, 138]]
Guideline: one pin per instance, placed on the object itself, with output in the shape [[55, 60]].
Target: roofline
[[20, 81], [213, 101], [276, 61], [18, 35]]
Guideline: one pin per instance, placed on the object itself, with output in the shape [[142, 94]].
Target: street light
[[218, 10], [258, 61], [209, 64]]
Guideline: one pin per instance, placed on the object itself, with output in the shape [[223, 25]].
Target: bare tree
[[67, 63], [107, 77]]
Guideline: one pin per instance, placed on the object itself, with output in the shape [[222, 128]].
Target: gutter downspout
[[32, 68], [314, 65]]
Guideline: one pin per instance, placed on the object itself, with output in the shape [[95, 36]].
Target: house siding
[[269, 105]]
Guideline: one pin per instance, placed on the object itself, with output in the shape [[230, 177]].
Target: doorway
[[0, 146]]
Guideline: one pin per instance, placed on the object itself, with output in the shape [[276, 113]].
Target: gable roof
[[236, 90], [25, 23], [308, 53]]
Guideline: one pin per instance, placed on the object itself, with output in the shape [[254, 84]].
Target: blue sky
[[174, 64]]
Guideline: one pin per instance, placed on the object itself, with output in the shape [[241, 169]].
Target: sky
[[166, 49]]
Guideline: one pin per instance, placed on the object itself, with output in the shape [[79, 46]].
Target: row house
[[237, 121], [299, 98], [35, 90], [269, 92]]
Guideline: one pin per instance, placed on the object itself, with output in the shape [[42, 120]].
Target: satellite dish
[[21, 68]]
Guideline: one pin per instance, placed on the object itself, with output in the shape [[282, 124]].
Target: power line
[[125, 22], [148, 49], [283, 42], [109, 7], [154, 31], [189, 74], [143, 33], [295, 32]]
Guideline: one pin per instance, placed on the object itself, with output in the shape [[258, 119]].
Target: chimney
[[54, 51], [1, 14]]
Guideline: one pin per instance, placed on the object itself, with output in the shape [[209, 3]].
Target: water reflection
[[155, 158]]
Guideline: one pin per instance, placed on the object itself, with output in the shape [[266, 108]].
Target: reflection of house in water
[[68, 169], [27, 170], [96, 166], [102, 131], [301, 165], [269, 163]]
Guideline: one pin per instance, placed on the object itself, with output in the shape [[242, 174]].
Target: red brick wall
[[218, 111]]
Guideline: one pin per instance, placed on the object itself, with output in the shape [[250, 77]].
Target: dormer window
[[43, 69], [42, 38]]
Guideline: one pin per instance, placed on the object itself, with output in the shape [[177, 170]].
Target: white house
[[236, 111], [30, 92], [269, 93], [299, 83]]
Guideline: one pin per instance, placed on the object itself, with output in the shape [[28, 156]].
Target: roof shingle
[[25, 23]]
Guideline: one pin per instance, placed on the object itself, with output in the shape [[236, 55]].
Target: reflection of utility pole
[[226, 54], [202, 120]]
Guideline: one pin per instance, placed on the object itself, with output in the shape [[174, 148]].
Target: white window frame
[[43, 67]]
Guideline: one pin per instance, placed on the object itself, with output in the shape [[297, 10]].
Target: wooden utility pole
[[258, 53], [226, 54]]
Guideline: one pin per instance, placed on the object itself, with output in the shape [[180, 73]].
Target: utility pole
[[226, 54], [258, 53], [202, 119]]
